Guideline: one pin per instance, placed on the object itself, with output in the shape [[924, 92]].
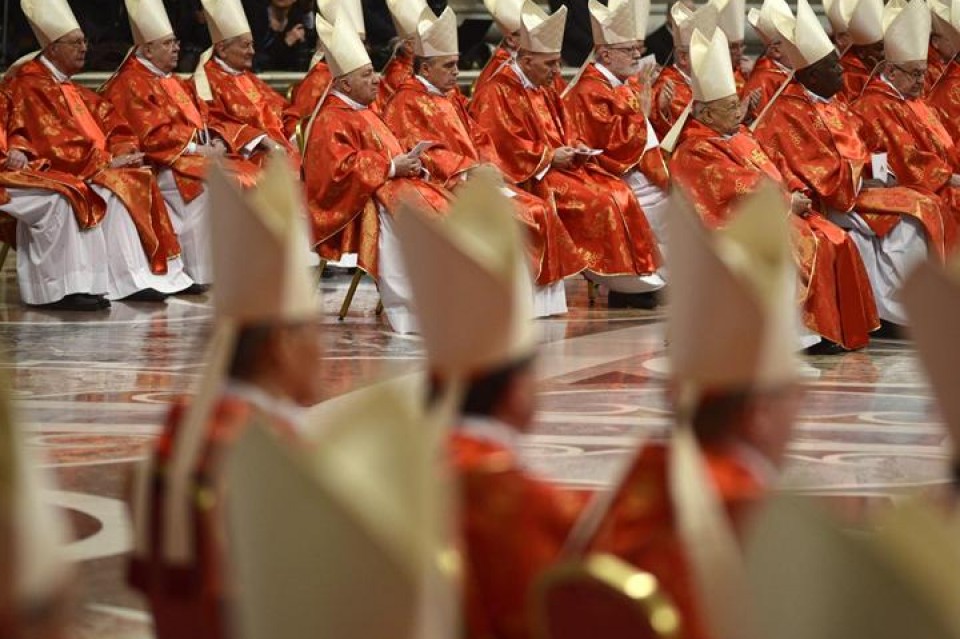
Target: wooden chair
[[602, 596]]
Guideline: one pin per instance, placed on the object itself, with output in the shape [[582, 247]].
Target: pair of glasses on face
[[915, 74], [637, 48]]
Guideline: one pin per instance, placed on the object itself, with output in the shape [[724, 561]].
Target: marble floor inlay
[[92, 392]]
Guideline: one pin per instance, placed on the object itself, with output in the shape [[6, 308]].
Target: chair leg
[[4, 251], [379, 310], [591, 291], [321, 269], [348, 300]]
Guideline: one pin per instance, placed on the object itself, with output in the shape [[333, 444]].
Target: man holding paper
[[357, 173], [423, 109], [548, 158], [815, 136], [606, 109], [718, 161], [901, 127]]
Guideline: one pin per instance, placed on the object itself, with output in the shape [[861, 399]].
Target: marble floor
[[92, 392]]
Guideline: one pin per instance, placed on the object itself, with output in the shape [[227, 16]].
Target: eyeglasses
[[170, 44], [916, 74], [76, 44], [636, 48]]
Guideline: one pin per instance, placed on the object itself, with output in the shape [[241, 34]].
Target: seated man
[[862, 59], [814, 136], [253, 118], [770, 71], [173, 129], [941, 95], [547, 158], [264, 368], [671, 94], [92, 142], [736, 407], [357, 173], [61, 251], [424, 109], [732, 20], [308, 93], [513, 522], [406, 15], [507, 16], [717, 161], [605, 108], [902, 129]]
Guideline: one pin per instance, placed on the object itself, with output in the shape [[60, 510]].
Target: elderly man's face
[[237, 52], [361, 85], [163, 54], [69, 53], [540, 68], [441, 71], [622, 60], [723, 115], [907, 77]]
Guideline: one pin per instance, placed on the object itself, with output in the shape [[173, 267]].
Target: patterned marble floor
[[92, 392]]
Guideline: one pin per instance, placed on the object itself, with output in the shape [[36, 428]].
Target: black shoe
[[101, 301], [146, 295], [76, 302], [194, 289], [824, 347], [643, 301], [889, 330]]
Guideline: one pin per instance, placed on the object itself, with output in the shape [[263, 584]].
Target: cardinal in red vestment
[[734, 415], [816, 137], [425, 110], [77, 132], [770, 72], [919, 152], [55, 223], [606, 110], [513, 523], [252, 118], [174, 131], [717, 161], [264, 367], [357, 174], [862, 58], [522, 112], [942, 87]]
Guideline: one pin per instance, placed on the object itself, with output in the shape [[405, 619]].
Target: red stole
[[82, 115]]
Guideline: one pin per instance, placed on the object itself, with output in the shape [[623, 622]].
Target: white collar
[[883, 77], [152, 68], [279, 407], [58, 75], [489, 429], [429, 85], [226, 67], [614, 80], [353, 104], [756, 463], [524, 80]]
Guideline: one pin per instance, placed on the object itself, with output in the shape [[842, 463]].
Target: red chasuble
[[244, 107], [192, 601], [347, 166], [768, 77], [308, 93], [682, 96], [821, 143], [598, 209], [945, 100], [513, 527], [611, 118], [919, 149], [641, 527], [855, 76], [79, 133], [166, 116], [416, 115], [398, 70], [715, 172]]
